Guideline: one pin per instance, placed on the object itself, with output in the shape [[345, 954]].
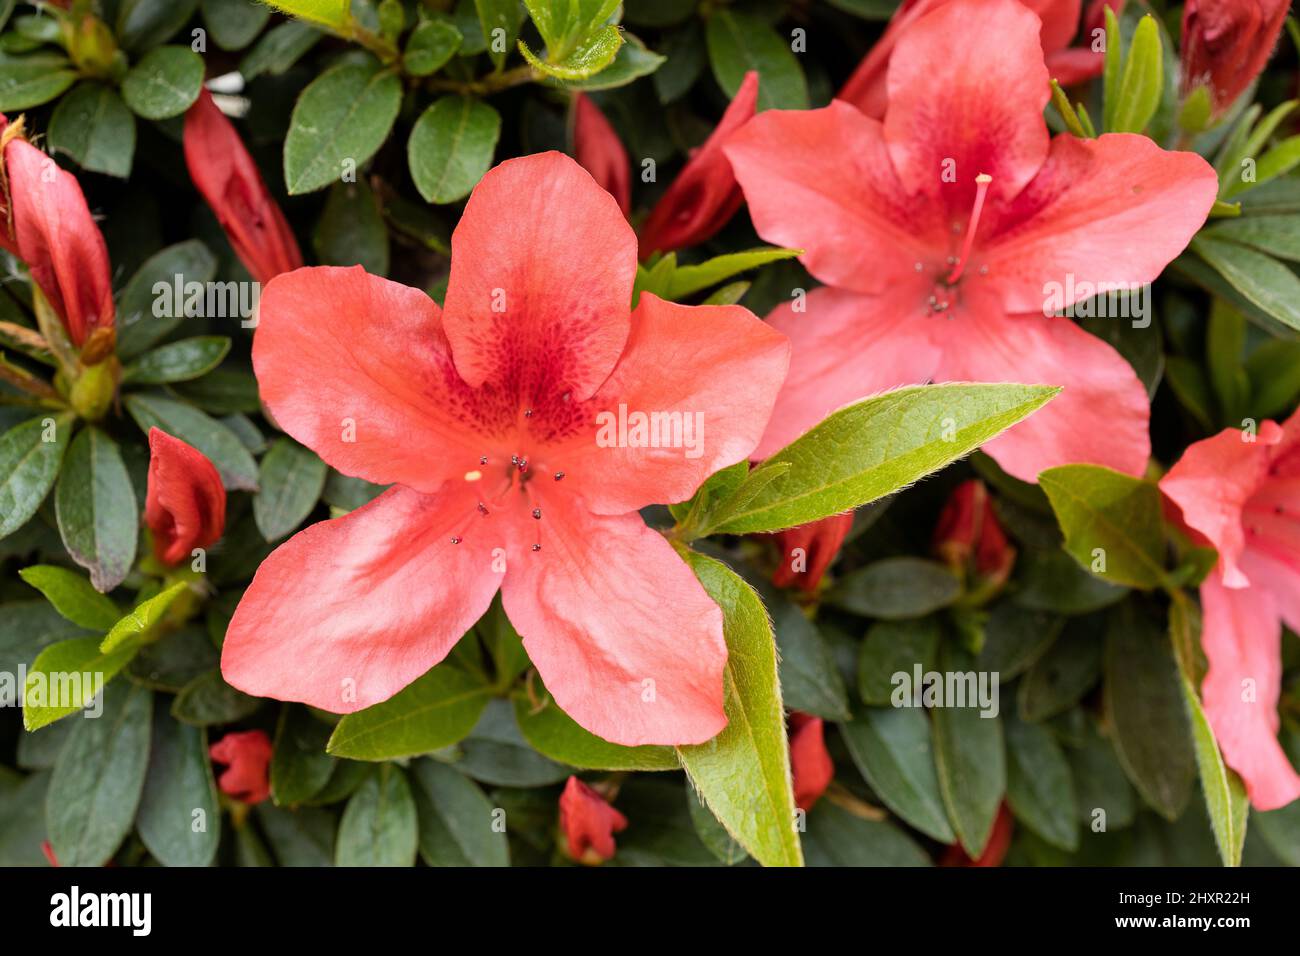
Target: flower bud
[[588, 823], [185, 503], [808, 550], [969, 539], [810, 764], [1226, 44], [247, 756]]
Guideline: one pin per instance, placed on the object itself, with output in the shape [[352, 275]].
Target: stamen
[[537, 513], [559, 476], [981, 190], [455, 539], [537, 547], [473, 475], [482, 460], [482, 509]]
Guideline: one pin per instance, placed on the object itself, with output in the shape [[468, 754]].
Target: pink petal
[[846, 347], [821, 181], [622, 633], [1116, 209], [357, 368], [1242, 638], [600, 152], [540, 292], [1075, 65], [185, 504], [348, 612], [1100, 418], [717, 367], [967, 86]]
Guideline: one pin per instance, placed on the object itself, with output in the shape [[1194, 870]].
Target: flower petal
[[357, 368], [1116, 209], [348, 612], [718, 368], [846, 347], [967, 87], [821, 181], [1102, 415], [185, 503], [1242, 638], [540, 293], [622, 633], [599, 151]]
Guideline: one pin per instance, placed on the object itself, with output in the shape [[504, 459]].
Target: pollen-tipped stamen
[[981, 190]]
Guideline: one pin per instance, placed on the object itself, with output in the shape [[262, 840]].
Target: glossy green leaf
[[30, 455], [740, 42], [586, 60], [687, 280], [555, 734], [435, 711], [633, 61], [431, 44], [222, 446], [179, 817], [379, 825], [72, 596], [32, 80], [279, 49], [153, 288], [712, 834], [143, 24], [290, 480], [1277, 236], [451, 147], [208, 700], [93, 126], [300, 837], [234, 24], [351, 229], [178, 361], [810, 681], [459, 826], [499, 21], [497, 753], [164, 83], [1040, 788]]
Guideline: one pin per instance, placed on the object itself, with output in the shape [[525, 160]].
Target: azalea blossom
[[599, 151], [483, 415], [1241, 491], [588, 823], [939, 231], [247, 756], [229, 181], [969, 539], [810, 765], [1226, 43], [185, 503], [808, 550]]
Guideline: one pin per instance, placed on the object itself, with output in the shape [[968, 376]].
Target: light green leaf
[[590, 57], [335, 14], [687, 280], [633, 62], [1138, 95], [1225, 795], [451, 147], [141, 620], [57, 682], [72, 596], [1277, 236]]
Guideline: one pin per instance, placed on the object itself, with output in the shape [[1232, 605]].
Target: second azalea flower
[[483, 416]]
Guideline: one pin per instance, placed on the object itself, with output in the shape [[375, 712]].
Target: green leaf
[[179, 817], [496, 753], [810, 681], [895, 647], [1147, 711], [98, 780], [379, 825], [712, 834], [896, 589], [30, 455], [457, 823], [740, 42], [451, 147], [503, 16], [222, 446], [72, 596], [892, 749], [351, 229], [290, 481], [1273, 235], [1015, 638], [1059, 679], [1139, 90], [93, 126], [687, 280], [339, 121], [164, 83], [1281, 829], [1274, 373], [564, 23], [1260, 279], [743, 774], [139, 324], [32, 80], [1112, 522], [208, 700], [431, 44], [96, 508], [838, 838], [178, 361], [1225, 339], [435, 711], [590, 57], [279, 49], [632, 62], [234, 24], [142, 619], [1040, 788], [555, 734], [143, 24], [1100, 783], [300, 767], [874, 447], [172, 663], [334, 14], [300, 837], [970, 761], [62, 680], [1225, 795]]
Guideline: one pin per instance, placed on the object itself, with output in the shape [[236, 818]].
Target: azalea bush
[[485, 432]]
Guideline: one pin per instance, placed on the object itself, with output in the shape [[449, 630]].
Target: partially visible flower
[[48, 851], [808, 550], [995, 851], [810, 764], [225, 174], [969, 539], [599, 151], [705, 194], [1226, 44], [55, 234], [1242, 492], [588, 823], [247, 756], [185, 503]]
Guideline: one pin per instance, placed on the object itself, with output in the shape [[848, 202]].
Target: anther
[[528, 413], [537, 547], [482, 509], [455, 539], [537, 513], [559, 476], [482, 460]]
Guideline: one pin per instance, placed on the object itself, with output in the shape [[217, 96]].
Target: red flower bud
[[1226, 44], [969, 538], [230, 183], [247, 755], [588, 823], [808, 550], [598, 150], [705, 193], [995, 850], [185, 504], [810, 764]]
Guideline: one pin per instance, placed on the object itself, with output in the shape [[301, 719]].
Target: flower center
[[500, 484], [981, 190]]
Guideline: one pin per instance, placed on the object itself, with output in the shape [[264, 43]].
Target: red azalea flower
[[940, 231], [968, 536], [185, 504], [995, 851], [225, 174], [1244, 496], [247, 755], [598, 150], [704, 195], [55, 234], [810, 764], [487, 416], [1226, 44], [588, 823], [808, 550]]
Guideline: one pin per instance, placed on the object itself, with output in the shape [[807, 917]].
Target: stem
[[26, 382], [489, 84]]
